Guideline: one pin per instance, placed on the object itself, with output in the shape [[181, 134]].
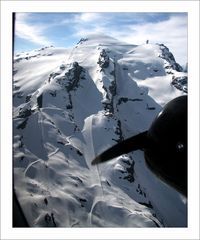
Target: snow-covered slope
[[70, 106]]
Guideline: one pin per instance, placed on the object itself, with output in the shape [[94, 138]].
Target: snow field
[[67, 110]]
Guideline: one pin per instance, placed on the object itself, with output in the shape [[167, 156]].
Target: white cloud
[[90, 23], [130, 27], [30, 32], [84, 32], [81, 19], [172, 32], [89, 17]]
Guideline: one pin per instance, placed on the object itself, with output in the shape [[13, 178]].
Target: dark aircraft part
[[131, 144], [164, 145], [19, 219], [166, 154]]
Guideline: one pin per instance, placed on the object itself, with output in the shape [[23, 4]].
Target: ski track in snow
[[31, 164], [52, 153], [89, 154], [87, 134]]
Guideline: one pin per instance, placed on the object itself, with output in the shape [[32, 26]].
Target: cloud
[[88, 17], [170, 30], [79, 19], [90, 23], [135, 28], [29, 31]]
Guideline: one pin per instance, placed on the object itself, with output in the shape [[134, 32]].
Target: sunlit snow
[[69, 106]]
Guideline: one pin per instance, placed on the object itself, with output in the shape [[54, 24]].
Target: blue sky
[[34, 30]]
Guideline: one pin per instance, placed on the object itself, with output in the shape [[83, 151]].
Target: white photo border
[[192, 8]]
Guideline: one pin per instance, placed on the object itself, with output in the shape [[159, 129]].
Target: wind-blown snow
[[71, 106]]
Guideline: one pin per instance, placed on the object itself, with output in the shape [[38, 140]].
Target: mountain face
[[68, 107]]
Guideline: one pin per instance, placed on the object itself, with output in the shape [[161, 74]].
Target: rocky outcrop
[[171, 67], [169, 58], [103, 60], [125, 99], [74, 75], [82, 40], [180, 83], [68, 76]]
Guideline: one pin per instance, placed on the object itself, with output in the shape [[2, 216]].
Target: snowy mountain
[[68, 107]]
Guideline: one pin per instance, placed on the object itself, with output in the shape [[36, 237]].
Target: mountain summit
[[71, 105]]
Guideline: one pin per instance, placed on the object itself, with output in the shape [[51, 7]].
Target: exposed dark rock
[[21, 144], [77, 179], [47, 218], [112, 88], [110, 93], [62, 67], [150, 108], [118, 132], [18, 94], [16, 87], [149, 205], [180, 83], [79, 153], [59, 142], [122, 99], [73, 76], [50, 220], [69, 105], [53, 75], [130, 170], [103, 60], [125, 99], [46, 201], [53, 219], [18, 60], [82, 200], [28, 97], [125, 68], [53, 93], [112, 73], [168, 56], [15, 71], [169, 72], [82, 40], [23, 124], [39, 101], [23, 113], [126, 161], [140, 191], [108, 183]]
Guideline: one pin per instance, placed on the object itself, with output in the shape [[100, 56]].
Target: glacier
[[69, 105]]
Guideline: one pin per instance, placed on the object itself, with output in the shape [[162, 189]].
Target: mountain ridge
[[87, 100]]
